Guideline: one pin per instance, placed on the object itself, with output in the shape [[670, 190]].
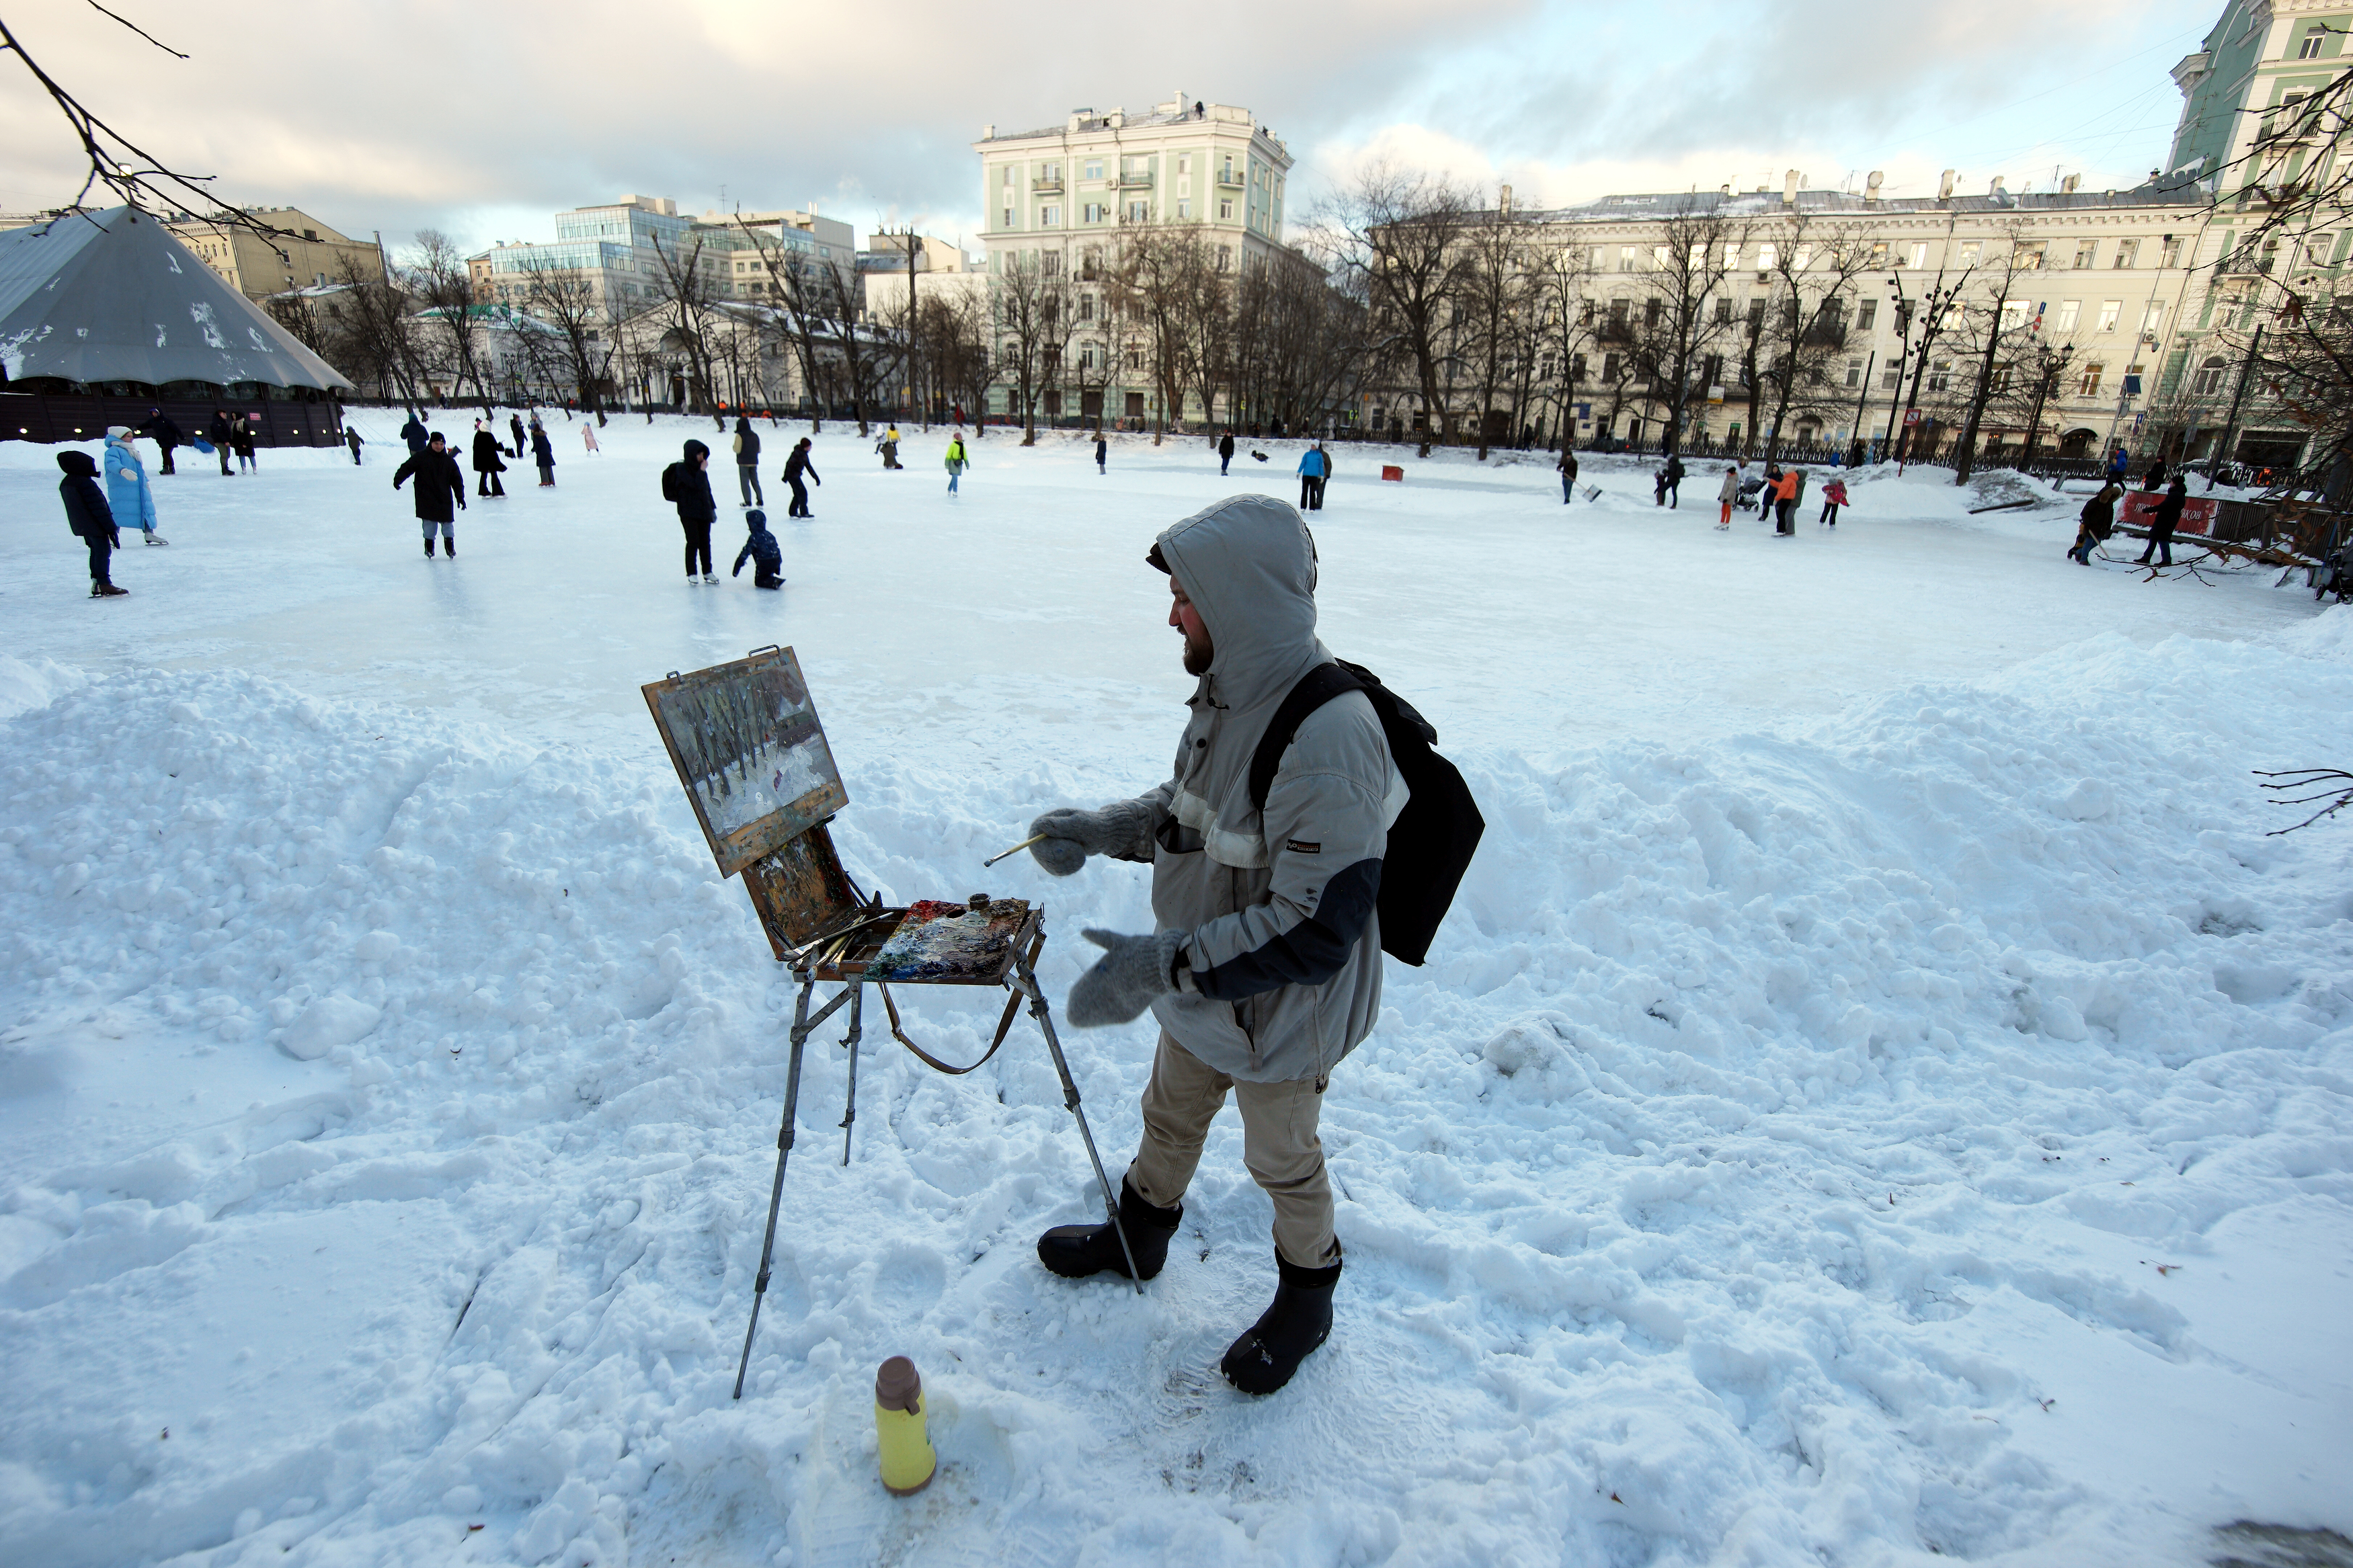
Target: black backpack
[[669, 482], [1433, 838]]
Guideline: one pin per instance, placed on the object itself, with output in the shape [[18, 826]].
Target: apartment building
[[314, 254], [624, 247], [1062, 193]]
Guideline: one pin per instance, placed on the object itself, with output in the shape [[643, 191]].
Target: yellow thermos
[[908, 1460]]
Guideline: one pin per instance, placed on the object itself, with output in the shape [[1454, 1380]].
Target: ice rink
[[1880, 1097]]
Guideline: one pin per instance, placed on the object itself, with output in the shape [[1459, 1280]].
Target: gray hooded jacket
[[1280, 974]]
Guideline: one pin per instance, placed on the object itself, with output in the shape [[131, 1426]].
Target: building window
[[2109, 310], [2027, 257], [1610, 367], [2086, 249], [1626, 255], [1183, 209], [1094, 167], [1767, 255], [1658, 257], [1970, 251], [1009, 219], [2152, 317], [1892, 378], [1879, 257], [2171, 255], [2067, 309], [1225, 212], [1086, 307], [1139, 211], [2089, 387], [1090, 212], [1919, 255], [1866, 315], [1184, 165], [1652, 309], [1006, 181], [1853, 370], [2315, 38], [2127, 249], [1940, 375], [1225, 258], [1050, 215], [2210, 376]]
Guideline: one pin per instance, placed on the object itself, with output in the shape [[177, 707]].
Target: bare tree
[[1404, 232], [1205, 299], [1301, 345], [1995, 327], [1491, 284], [687, 311], [568, 299], [2037, 370], [1811, 287], [1150, 276], [1562, 276], [440, 276], [1684, 324], [1025, 310]]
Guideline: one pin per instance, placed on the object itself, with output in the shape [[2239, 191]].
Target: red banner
[[2139, 510]]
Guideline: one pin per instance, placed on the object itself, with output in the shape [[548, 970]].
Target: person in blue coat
[[761, 550], [1313, 468], [127, 492], [544, 455]]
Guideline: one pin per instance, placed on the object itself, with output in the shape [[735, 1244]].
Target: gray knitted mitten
[[1131, 972], [1122, 828]]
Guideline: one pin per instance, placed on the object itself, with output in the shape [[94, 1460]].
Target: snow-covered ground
[[1880, 1094]]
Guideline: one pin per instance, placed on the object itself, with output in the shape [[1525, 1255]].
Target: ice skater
[[687, 484], [794, 467], [1103, 452], [957, 461], [1834, 498], [91, 519], [543, 452], [159, 427], [761, 549], [588, 436], [243, 441], [223, 438], [514, 423], [351, 440], [489, 461], [1567, 467], [440, 486], [128, 494], [1266, 969], [1727, 495], [1675, 476], [747, 463], [1225, 451], [1311, 479]]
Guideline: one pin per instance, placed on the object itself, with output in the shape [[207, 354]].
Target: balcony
[[1135, 179], [1615, 330], [1826, 334], [1232, 179], [1049, 184]]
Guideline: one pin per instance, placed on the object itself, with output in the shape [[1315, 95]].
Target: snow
[[1880, 1094]]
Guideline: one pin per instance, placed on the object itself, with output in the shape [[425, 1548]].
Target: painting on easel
[[747, 745]]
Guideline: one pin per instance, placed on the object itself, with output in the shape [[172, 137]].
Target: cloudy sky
[[484, 119]]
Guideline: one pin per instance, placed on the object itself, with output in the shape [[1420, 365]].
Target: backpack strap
[[1316, 688]]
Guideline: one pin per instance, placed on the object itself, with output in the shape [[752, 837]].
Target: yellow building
[[314, 254]]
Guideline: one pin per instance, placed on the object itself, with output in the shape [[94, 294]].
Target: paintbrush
[[1033, 839]]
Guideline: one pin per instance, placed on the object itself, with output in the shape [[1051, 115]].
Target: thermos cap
[[898, 1386]]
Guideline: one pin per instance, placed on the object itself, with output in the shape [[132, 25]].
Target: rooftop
[[2166, 191]]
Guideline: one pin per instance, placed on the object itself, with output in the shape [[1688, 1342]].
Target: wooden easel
[[726, 728]]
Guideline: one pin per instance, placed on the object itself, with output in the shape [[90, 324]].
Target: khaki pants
[[1280, 1147]]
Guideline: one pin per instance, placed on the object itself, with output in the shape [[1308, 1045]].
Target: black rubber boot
[[1263, 1358], [1075, 1251]]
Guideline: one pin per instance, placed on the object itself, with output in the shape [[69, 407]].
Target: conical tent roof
[[114, 295]]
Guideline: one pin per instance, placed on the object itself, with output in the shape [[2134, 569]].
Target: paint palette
[[937, 943]]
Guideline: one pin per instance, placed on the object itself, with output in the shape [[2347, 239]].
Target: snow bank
[[1853, 1143]]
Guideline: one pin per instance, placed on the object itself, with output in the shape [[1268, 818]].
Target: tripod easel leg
[[849, 1110], [1038, 1011], [776, 1192]]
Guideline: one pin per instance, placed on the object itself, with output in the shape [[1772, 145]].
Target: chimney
[[1944, 185], [1871, 187], [1790, 189], [1994, 190], [1725, 190], [2071, 183], [988, 133], [1503, 202]]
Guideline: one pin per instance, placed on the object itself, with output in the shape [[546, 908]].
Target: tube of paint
[[908, 1461]]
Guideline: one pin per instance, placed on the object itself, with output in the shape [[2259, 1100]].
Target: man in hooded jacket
[[439, 487], [1265, 970], [697, 509], [91, 518]]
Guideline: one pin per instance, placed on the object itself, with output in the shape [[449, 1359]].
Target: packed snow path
[[1880, 1097]]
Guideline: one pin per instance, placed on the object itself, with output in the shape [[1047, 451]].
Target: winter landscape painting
[[750, 752]]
